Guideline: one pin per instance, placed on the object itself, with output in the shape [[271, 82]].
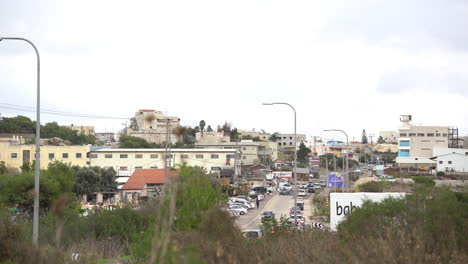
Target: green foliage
[[19, 189], [94, 179], [380, 140], [427, 181], [440, 216], [440, 173], [209, 129], [302, 154], [17, 125], [371, 187], [197, 194], [132, 142]]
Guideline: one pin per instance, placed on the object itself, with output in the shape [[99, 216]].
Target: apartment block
[[286, 141], [416, 143], [126, 161], [153, 126], [85, 130]]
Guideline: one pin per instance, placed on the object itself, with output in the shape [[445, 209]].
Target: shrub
[[440, 173], [424, 180], [371, 187]]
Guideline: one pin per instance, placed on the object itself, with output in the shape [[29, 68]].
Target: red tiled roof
[[141, 177]]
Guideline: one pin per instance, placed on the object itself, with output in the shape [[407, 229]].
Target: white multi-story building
[[416, 143], [153, 126], [126, 161]]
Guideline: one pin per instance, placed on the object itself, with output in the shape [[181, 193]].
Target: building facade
[[85, 130], [211, 137], [416, 143], [251, 153], [263, 136], [389, 137], [153, 126], [126, 161], [286, 141], [451, 159], [14, 155]]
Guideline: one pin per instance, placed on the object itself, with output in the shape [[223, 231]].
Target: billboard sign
[[282, 174], [379, 170], [314, 162], [342, 204], [336, 180]]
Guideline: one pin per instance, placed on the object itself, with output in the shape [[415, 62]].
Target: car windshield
[[267, 213], [251, 234]]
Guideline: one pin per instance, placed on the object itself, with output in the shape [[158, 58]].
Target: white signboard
[[282, 174], [342, 204]]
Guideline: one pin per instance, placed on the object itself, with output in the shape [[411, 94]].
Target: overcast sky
[[351, 65]]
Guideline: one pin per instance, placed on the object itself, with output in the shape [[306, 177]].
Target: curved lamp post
[[295, 158], [346, 156], [38, 139]]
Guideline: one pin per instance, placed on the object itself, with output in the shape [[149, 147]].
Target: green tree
[[202, 126], [94, 179], [303, 154], [380, 140], [132, 142], [274, 137], [209, 129], [17, 125], [233, 134]]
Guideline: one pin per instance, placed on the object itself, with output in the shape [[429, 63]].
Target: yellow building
[[86, 130], [14, 155]]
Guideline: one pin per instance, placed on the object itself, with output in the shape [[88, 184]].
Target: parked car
[[311, 190], [291, 211], [300, 204], [300, 219], [239, 209], [252, 233], [317, 187], [242, 201], [232, 212], [267, 216], [269, 188], [230, 204], [285, 192], [287, 186], [302, 193], [259, 189]]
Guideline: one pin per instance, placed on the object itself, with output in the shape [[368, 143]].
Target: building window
[[231, 156], [93, 156], [244, 157], [138, 156], [420, 134], [138, 168], [279, 143], [244, 148], [153, 167], [215, 168], [199, 156], [14, 155], [214, 156], [108, 156], [430, 134], [154, 156], [51, 155], [284, 143], [123, 156], [290, 137], [449, 162], [425, 141], [65, 155], [425, 149], [437, 134], [284, 137], [404, 153], [402, 134], [78, 155], [123, 168], [169, 156], [412, 134], [184, 156], [441, 162], [290, 143], [444, 135], [404, 143]]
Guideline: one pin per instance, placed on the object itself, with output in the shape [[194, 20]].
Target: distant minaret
[[364, 137]]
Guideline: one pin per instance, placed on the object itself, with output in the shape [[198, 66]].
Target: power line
[[54, 112]]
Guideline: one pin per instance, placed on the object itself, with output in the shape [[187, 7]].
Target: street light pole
[[339, 130], [295, 159], [38, 139]]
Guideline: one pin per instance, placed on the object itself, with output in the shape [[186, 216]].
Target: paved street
[[279, 204]]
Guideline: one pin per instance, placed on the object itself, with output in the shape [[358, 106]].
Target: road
[[279, 204]]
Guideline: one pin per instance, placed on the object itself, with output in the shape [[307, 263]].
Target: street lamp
[[295, 158], [339, 130], [38, 146]]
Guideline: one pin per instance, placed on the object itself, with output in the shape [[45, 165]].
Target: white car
[[239, 209], [287, 187], [242, 201], [300, 219], [302, 193]]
